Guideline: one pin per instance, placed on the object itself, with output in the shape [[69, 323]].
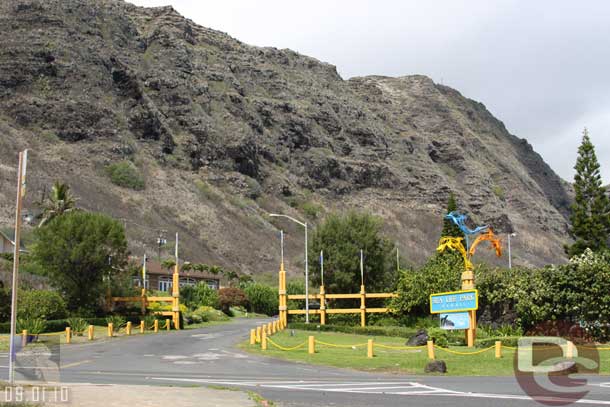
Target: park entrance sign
[[456, 308], [454, 301]]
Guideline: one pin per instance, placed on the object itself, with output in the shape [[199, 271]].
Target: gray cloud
[[541, 67]]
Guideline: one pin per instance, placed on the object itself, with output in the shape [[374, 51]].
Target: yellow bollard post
[[498, 349], [90, 331], [430, 345], [156, 326], [264, 341], [252, 336], [269, 328], [110, 329], [470, 337], [570, 350], [311, 345], [259, 333], [142, 327], [274, 327], [369, 349], [168, 326], [128, 328], [68, 335], [24, 338]]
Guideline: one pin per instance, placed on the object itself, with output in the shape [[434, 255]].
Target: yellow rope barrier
[[341, 346], [591, 347], [280, 347], [464, 353]]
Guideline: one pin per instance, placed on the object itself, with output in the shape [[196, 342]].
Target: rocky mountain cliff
[[224, 133]]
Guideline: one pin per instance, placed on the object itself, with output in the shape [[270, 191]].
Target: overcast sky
[[542, 67]]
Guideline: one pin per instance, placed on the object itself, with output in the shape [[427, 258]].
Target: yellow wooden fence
[[322, 296]]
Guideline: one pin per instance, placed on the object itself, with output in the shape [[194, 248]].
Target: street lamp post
[[510, 260], [21, 175], [276, 215]]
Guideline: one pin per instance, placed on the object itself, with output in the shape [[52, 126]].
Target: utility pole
[[23, 159], [397, 259], [361, 267]]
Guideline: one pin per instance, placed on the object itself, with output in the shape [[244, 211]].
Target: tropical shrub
[[42, 304], [34, 326], [199, 295], [230, 297], [206, 314], [439, 337], [262, 299], [77, 325], [117, 322]]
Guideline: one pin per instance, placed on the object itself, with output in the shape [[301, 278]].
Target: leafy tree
[[439, 274], [591, 209], [78, 251], [262, 299], [59, 202], [450, 229], [342, 237]]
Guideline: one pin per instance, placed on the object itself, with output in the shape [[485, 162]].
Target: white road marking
[[388, 388]]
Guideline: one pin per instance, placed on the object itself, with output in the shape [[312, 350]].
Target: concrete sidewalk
[[91, 395]]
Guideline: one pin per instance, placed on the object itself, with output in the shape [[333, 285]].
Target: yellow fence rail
[[322, 297]]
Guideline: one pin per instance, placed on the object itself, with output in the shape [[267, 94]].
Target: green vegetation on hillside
[[125, 174]]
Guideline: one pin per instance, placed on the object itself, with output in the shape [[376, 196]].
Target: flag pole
[[322, 265], [361, 267]]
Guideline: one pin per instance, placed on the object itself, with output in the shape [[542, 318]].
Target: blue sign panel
[[454, 301], [455, 320]]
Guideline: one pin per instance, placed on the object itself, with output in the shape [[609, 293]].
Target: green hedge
[[397, 331]]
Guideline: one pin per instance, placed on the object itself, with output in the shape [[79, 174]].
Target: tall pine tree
[[450, 229], [591, 209]]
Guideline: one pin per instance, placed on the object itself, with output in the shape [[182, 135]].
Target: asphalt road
[[208, 356]]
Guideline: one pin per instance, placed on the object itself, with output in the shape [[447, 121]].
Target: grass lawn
[[388, 360]]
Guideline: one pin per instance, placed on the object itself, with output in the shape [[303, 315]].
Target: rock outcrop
[[224, 132]]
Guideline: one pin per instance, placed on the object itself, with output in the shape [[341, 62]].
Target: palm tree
[[61, 201]]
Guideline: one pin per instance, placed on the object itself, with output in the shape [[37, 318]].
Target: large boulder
[[419, 339], [436, 366]]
